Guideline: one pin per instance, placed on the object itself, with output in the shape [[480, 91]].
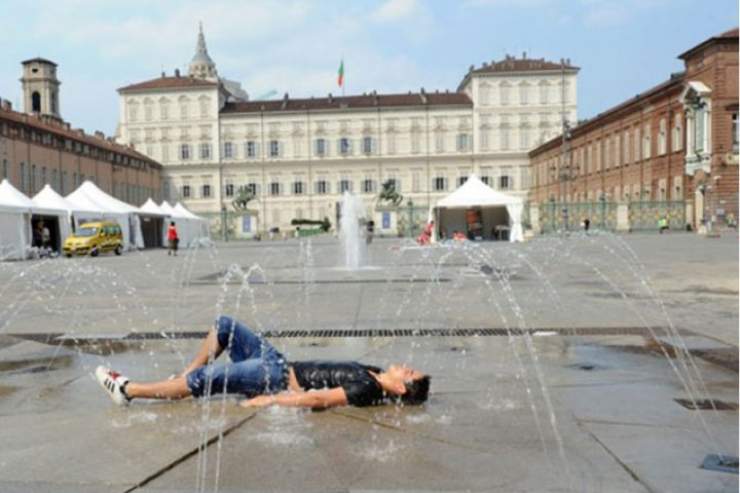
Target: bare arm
[[315, 399]]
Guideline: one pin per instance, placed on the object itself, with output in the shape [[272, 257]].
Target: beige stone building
[[298, 155]]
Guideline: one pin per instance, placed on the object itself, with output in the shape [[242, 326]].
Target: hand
[[259, 401]]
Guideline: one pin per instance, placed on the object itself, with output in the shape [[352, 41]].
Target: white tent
[[150, 212], [48, 199], [89, 196], [15, 222], [200, 224], [476, 194]]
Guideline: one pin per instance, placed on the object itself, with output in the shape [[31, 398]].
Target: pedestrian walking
[[172, 239]]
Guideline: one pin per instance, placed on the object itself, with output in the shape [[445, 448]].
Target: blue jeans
[[256, 367]]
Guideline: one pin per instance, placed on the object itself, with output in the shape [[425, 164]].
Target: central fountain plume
[[352, 232]]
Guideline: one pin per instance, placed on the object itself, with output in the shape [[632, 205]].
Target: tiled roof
[[350, 102], [511, 64], [169, 83], [59, 128]]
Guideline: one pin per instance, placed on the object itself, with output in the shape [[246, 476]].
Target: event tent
[[89, 196], [189, 226], [154, 223], [49, 199], [200, 225], [15, 222], [497, 208]]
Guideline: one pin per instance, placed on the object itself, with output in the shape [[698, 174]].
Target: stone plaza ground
[[557, 365]]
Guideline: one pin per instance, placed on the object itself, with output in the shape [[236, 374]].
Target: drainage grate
[[211, 279], [705, 404], [81, 338]]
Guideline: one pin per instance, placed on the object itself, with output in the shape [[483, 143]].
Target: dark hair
[[417, 391], [172, 223]]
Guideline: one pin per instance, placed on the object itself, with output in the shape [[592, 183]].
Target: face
[[403, 373]]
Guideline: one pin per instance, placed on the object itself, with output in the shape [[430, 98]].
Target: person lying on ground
[[261, 373]]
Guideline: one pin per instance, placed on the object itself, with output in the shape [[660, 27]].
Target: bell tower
[[40, 87]]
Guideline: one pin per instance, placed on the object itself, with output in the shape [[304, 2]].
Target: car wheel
[[118, 250], [68, 255]]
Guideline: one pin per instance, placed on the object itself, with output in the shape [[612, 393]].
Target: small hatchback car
[[94, 238]]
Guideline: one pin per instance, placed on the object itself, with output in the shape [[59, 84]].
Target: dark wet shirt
[[361, 388]]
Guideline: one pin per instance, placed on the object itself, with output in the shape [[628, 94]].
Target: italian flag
[[340, 74]]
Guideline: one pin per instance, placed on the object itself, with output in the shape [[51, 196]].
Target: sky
[[622, 46]]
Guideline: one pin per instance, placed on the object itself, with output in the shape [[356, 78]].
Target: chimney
[[331, 98], [177, 72], [99, 135], [163, 74], [67, 126], [524, 55], [567, 61]]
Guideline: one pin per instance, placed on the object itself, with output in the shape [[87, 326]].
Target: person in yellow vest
[[662, 224]]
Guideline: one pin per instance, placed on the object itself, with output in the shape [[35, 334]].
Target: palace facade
[[298, 155]]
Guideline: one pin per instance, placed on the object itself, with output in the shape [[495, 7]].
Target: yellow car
[[94, 238]]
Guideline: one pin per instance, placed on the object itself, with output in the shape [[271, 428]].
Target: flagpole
[[344, 82]]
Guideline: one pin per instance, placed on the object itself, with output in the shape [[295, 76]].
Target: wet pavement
[[556, 366]]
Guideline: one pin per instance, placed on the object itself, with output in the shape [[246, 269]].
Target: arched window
[[36, 102], [164, 108], [203, 103], [184, 103], [148, 109]]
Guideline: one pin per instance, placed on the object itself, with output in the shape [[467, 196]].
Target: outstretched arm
[[315, 399]]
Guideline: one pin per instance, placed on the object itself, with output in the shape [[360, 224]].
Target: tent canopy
[[475, 193], [150, 207], [12, 198], [102, 199]]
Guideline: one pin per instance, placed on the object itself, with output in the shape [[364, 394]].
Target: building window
[[297, 188], [367, 145], [229, 189], [32, 181], [504, 93], [662, 138], [463, 142], [637, 155], [368, 185], [524, 93], [439, 184], [504, 139], [416, 181], [504, 182], [486, 179], [676, 141], [186, 191], [250, 149], [415, 143], [252, 188], [734, 133], [322, 187], [320, 147], [206, 191], [646, 143], [345, 186], [228, 150], [345, 147], [275, 189], [23, 176], [461, 180], [274, 148], [439, 142], [205, 151], [5, 168], [390, 141], [544, 89], [184, 152]]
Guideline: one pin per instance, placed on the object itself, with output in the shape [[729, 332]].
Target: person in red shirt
[[172, 239]]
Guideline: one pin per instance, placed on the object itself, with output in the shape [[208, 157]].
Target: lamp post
[[411, 218], [552, 211], [602, 199], [224, 229]]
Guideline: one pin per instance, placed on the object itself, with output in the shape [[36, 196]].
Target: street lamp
[[411, 218], [224, 229], [602, 199]]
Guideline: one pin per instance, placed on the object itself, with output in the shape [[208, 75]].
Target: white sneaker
[[113, 383]]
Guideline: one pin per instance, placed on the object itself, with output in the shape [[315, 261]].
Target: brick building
[[37, 147], [675, 142]]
